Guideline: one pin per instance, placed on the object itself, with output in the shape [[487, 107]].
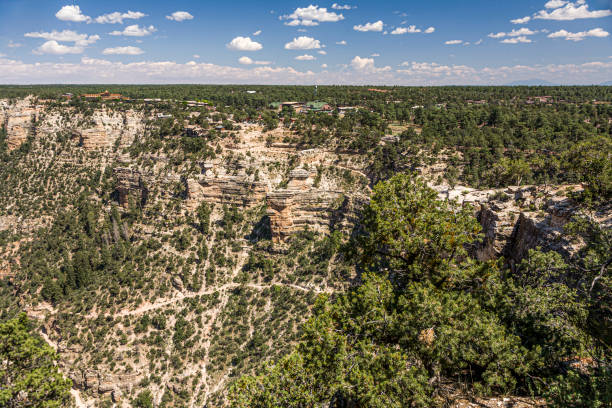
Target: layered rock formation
[[93, 138], [18, 118], [116, 385], [20, 125], [103, 128], [517, 219], [227, 189], [123, 127], [530, 219], [301, 206], [130, 184]]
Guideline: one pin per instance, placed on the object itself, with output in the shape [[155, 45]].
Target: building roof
[[316, 105]]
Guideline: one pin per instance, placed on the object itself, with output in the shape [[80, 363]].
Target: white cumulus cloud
[[65, 36], [430, 30], [552, 4], [343, 42], [72, 13], [516, 40], [366, 65], [523, 31], [307, 23], [248, 61], [579, 36], [55, 48], [311, 16], [453, 42], [244, 44], [180, 16], [135, 31], [523, 20], [434, 69], [305, 57], [256, 33], [572, 11], [123, 51], [403, 30], [337, 6], [95, 70], [303, 43], [376, 26], [117, 17]]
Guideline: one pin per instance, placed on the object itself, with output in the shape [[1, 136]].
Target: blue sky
[[293, 42]]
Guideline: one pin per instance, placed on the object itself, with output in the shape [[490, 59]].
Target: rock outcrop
[[101, 383], [130, 184], [93, 138], [20, 125], [517, 219], [238, 190], [301, 206], [530, 219], [121, 127]]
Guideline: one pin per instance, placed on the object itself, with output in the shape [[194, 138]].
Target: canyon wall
[[517, 219]]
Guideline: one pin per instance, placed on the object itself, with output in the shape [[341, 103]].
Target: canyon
[[282, 188]]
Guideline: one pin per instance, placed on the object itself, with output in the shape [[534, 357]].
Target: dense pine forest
[[244, 246]]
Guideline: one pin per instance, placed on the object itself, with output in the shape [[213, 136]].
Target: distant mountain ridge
[[532, 82], [541, 82]]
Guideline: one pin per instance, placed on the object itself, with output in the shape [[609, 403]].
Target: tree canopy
[[28, 369]]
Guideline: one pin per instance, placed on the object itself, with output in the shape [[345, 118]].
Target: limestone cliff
[[301, 206], [20, 125], [517, 219], [226, 189], [130, 184], [93, 138]]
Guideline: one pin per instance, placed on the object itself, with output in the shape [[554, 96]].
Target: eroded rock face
[[20, 125], [100, 130], [301, 206], [93, 138], [130, 183], [121, 127], [294, 210], [102, 383], [497, 226], [238, 190], [517, 219], [534, 223]]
